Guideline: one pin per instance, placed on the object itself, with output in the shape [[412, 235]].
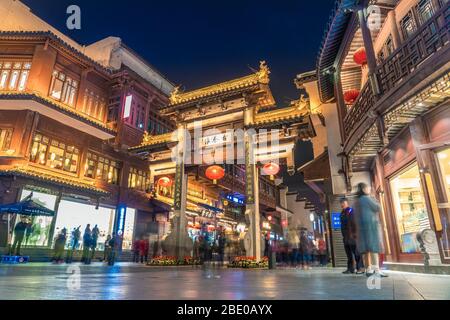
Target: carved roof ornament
[[147, 137], [264, 73], [175, 96]]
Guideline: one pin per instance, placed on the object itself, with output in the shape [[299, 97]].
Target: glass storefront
[[444, 166], [72, 215], [38, 233], [410, 208]]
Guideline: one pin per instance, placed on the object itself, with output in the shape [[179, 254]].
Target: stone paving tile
[[131, 282]]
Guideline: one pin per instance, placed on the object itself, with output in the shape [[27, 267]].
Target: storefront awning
[[27, 207]]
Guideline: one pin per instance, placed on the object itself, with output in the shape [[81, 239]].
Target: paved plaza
[[134, 282]]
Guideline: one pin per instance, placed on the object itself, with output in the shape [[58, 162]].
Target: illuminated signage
[[336, 221], [127, 108], [121, 220], [215, 140], [235, 199]]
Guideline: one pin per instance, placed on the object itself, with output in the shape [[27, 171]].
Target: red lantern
[[360, 56], [215, 173], [165, 182], [271, 169], [350, 96]]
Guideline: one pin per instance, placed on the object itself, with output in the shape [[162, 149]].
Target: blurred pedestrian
[[136, 248], [19, 234], [348, 230], [107, 251], [74, 243], [94, 241], [60, 244], [305, 250], [144, 246], [323, 255], [87, 240], [369, 236], [221, 242], [113, 245]]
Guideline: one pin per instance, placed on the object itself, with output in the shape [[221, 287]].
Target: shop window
[[63, 88], [98, 167], [94, 105], [5, 139], [386, 50], [425, 10], [37, 235], [14, 75], [444, 164], [408, 25], [72, 215], [410, 208], [54, 154], [139, 180]]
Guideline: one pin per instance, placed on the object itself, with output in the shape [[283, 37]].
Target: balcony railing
[[427, 40], [360, 109], [430, 37]]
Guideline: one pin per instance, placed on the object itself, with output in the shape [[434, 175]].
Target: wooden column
[[252, 190], [370, 52], [392, 20], [180, 196]]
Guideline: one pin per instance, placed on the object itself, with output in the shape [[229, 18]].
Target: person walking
[[106, 253], [74, 242], [136, 247], [19, 234], [60, 244], [221, 242], [323, 256], [143, 250], [348, 229], [94, 241], [368, 225], [305, 250], [112, 245], [87, 240]]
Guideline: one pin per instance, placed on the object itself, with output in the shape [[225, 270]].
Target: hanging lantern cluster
[[350, 96], [271, 169], [360, 56], [215, 173]]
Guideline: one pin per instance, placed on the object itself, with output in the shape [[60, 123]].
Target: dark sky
[[198, 42]]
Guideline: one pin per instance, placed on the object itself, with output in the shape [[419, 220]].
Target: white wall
[[301, 216]]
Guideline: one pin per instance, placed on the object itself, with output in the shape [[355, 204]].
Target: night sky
[[195, 43], [198, 42]]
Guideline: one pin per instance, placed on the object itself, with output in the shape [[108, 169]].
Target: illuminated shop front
[[410, 208], [443, 158], [71, 214]]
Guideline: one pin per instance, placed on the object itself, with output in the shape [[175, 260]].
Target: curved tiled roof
[[58, 106], [260, 77], [48, 35], [331, 44]]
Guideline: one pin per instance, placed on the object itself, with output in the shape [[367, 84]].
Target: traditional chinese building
[[68, 114], [382, 90], [246, 105]]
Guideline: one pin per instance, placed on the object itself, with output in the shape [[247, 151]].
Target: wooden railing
[[360, 109], [427, 40], [430, 37]]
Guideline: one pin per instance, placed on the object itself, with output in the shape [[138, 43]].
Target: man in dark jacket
[[348, 228], [19, 234]]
